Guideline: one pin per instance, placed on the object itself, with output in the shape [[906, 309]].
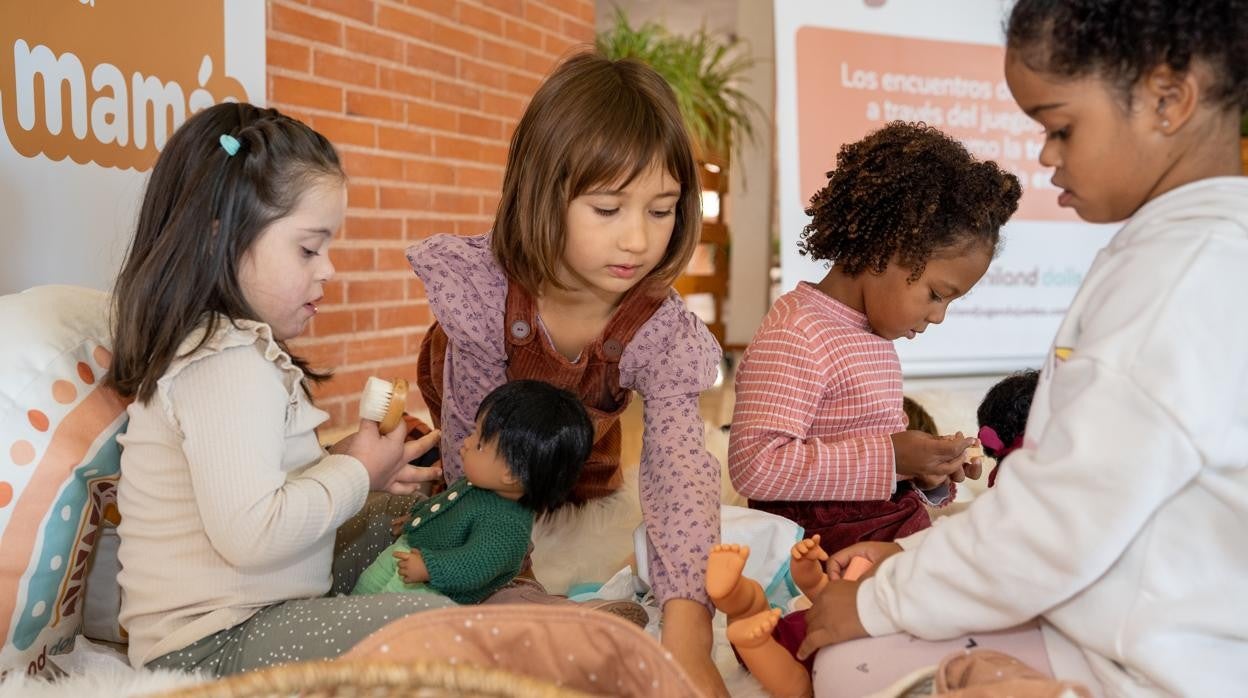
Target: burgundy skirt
[[841, 524]]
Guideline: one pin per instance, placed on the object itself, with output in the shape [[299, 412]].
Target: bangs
[[612, 151]]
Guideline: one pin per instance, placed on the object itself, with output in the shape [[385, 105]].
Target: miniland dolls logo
[[108, 81]]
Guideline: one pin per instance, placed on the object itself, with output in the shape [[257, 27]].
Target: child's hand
[[409, 478], [412, 566], [919, 454], [385, 458], [343, 445], [874, 551]]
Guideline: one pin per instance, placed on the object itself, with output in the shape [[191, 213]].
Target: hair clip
[[229, 144]]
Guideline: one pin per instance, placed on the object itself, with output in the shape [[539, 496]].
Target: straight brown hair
[[203, 209], [593, 122]]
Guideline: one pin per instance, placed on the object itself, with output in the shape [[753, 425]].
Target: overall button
[[613, 348], [520, 329]]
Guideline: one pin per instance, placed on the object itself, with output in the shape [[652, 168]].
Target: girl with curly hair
[[909, 221]]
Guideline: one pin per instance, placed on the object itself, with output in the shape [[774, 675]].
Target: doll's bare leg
[[779, 673], [806, 567], [731, 593]]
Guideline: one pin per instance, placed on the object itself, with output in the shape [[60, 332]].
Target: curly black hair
[[1006, 405], [1123, 40], [906, 192]]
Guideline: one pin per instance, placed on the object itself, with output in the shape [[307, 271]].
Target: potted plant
[[703, 69]]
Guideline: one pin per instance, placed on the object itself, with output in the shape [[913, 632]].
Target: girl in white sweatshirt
[[1121, 522]]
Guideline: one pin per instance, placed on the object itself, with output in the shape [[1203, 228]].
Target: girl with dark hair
[[229, 505], [1120, 520]]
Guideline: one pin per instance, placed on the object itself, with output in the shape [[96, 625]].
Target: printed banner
[[847, 68], [90, 91]]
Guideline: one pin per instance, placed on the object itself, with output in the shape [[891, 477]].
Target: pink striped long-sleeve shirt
[[818, 397]]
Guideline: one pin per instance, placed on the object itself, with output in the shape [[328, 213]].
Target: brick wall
[[421, 98]]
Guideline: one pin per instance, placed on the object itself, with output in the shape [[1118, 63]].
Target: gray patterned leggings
[[319, 628]]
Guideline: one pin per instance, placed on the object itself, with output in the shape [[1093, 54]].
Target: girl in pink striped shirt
[[909, 221]]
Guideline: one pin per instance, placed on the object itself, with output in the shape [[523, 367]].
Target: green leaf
[[704, 70]]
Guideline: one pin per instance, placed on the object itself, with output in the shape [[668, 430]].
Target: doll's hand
[[398, 523], [412, 566]]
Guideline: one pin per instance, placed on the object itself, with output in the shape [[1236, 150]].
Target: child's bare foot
[[724, 567], [754, 631]]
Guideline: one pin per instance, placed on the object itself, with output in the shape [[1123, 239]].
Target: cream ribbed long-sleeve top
[[228, 502]]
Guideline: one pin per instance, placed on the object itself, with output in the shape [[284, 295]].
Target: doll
[[520, 460]]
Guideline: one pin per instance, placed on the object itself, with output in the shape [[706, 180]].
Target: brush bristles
[[375, 401]]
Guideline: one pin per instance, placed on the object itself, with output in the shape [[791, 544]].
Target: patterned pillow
[[58, 464]]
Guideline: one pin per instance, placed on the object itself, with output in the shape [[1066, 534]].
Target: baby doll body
[[471, 542], [765, 641]]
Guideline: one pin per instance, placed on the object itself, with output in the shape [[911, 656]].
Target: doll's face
[[485, 467]]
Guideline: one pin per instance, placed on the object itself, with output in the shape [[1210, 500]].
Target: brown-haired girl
[[229, 505], [599, 213]]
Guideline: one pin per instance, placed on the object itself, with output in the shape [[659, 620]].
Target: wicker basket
[[379, 679]]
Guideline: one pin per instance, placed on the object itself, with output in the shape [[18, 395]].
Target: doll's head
[[1003, 415], [918, 418], [530, 442]]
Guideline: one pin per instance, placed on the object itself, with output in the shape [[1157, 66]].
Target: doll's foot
[[755, 630], [808, 549], [723, 569], [806, 567]]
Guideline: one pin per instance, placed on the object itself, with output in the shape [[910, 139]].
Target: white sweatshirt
[[228, 503], [1123, 521]]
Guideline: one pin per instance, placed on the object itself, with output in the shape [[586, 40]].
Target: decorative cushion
[[58, 464]]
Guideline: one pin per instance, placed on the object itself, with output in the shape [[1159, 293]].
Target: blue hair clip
[[229, 144]]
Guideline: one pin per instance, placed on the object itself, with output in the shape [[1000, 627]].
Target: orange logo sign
[[109, 82]]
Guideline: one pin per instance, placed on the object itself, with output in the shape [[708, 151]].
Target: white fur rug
[[95, 670]]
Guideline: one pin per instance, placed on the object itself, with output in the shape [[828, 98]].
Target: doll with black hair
[[1003, 415], [521, 460]]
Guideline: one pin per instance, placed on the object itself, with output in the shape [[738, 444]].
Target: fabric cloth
[[473, 542], [228, 502], [1122, 518], [872, 666], [671, 359], [818, 398], [320, 628], [567, 645]]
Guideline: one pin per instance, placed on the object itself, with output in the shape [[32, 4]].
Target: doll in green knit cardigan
[[521, 460]]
